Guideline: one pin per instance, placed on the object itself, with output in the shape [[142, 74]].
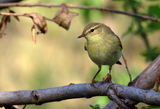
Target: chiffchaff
[[103, 46]]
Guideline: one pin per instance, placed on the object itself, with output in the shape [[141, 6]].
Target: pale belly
[[103, 55]]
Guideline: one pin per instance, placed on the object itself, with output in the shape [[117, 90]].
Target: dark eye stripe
[[92, 30]]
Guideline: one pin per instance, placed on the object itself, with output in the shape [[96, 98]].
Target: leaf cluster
[[140, 27]]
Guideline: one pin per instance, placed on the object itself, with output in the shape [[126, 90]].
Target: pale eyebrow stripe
[[95, 27]]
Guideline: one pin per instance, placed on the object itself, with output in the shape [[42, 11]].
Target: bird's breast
[[103, 53]]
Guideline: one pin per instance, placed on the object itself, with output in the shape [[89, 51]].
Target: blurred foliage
[[127, 3], [151, 53], [88, 15], [150, 107], [140, 27], [153, 10]]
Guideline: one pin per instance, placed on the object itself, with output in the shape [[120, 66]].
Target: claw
[[108, 78], [93, 82], [71, 84]]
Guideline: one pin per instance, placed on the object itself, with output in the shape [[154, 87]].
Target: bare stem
[[80, 7], [126, 66], [22, 14], [143, 35]]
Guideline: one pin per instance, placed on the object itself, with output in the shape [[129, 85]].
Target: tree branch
[[145, 80], [22, 14], [40, 96], [80, 7], [148, 77]]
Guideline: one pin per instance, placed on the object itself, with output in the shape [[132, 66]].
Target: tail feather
[[118, 62]]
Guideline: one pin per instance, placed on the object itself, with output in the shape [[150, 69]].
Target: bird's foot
[[108, 78], [71, 84], [93, 83]]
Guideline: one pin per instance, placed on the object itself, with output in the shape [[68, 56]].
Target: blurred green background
[[58, 57]]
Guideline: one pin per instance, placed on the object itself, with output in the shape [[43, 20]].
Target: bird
[[103, 46]]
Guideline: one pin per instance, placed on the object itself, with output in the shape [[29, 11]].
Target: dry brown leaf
[[34, 33], [3, 25], [16, 17], [157, 84], [64, 17], [39, 21]]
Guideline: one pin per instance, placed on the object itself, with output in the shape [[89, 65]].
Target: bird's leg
[[93, 80], [108, 78]]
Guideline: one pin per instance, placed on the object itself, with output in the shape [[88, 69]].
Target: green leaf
[[154, 10], [151, 107], [152, 26], [128, 4], [91, 106], [97, 106], [86, 15], [140, 30], [135, 3], [151, 54], [86, 12]]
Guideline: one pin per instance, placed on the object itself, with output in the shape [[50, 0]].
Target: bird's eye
[[92, 30]]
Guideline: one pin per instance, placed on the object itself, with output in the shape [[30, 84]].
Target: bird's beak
[[82, 35]]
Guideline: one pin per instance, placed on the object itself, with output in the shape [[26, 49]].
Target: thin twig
[[24, 106], [80, 7], [22, 14], [143, 34], [126, 66]]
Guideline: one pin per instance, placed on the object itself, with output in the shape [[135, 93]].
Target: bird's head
[[95, 31]]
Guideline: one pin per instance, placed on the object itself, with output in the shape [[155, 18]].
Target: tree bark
[[40, 96], [145, 80]]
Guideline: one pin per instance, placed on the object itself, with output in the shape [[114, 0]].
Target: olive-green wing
[[85, 46], [120, 44]]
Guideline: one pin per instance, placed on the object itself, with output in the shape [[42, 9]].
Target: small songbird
[[103, 46]]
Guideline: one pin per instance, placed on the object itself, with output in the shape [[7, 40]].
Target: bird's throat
[[94, 39]]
